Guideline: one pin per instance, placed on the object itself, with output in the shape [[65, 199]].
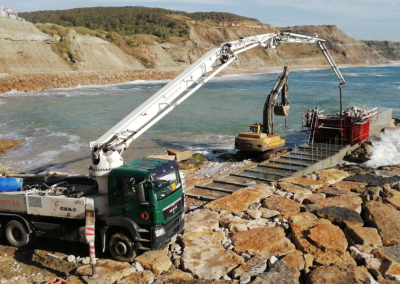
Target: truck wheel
[[121, 247], [16, 234]]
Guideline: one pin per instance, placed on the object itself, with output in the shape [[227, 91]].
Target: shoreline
[[36, 82]]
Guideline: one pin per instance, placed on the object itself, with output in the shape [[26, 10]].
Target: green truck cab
[[146, 197]]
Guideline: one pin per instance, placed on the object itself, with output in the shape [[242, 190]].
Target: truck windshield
[[166, 185]]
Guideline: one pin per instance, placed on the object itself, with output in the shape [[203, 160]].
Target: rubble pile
[[334, 226]]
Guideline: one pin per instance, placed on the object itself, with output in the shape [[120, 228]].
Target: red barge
[[349, 129]]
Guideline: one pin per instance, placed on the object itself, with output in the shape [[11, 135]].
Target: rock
[[265, 241], [386, 219], [374, 266], [205, 257], [391, 253], [308, 262], [155, 260], [164, 157], [349, 202], [252, 267], [295, 261], [272, 262], [138, 266], [113, 271], [330, 191], [180, 155], [201, 220], [358, 255], [320, 238], [172, 274], [331, 176], [281, 274], [281, 204], [313, 198], [372, 179], [142, 277], [349, 186], [267, 213], [241, 199], [245, 225], [393, 272], [391, 196], [299, 192], [338, 274], [71, 258], [304, 182], [339, 215], [357, 234], [253, 213]]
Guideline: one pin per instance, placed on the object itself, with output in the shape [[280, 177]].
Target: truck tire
[[121, 247], [16, 234]]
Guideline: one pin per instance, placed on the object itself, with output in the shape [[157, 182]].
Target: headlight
[[159, 232]]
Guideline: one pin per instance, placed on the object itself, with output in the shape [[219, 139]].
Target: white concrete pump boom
[[106, 151]]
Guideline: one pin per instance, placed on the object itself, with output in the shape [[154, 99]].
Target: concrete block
[[180, 155]]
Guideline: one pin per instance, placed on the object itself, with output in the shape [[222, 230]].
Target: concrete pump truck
[[121, 207]]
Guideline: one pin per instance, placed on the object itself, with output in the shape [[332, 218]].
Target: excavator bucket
[[281, 110]]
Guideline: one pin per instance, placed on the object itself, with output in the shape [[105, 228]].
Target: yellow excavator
[[260, 141]]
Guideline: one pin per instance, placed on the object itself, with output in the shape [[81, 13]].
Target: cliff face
[[25, 49], [388, 49]]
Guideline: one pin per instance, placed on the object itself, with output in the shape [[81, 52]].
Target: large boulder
[[205, 257], [349, 202], [252, 267], [155, 260], [241, 199], [357, 234], [338, 274], [282, 204], [201, 220], [305, 182], [386, 219], [265, 241], [281, 273], [340, 215], [320, 238], [331, 176]]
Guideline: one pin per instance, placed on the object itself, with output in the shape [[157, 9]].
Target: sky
[[360, 19]]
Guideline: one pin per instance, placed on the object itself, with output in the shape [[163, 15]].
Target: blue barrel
[[10, 184]]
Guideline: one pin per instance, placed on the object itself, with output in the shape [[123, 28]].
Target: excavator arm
[[271, 107]]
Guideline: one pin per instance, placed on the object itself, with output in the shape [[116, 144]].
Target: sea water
[[58, 125]]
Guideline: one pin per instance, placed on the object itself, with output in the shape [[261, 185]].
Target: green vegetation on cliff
[[129, 20]]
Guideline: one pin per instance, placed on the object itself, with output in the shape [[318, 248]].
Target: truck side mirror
[[140, 194]]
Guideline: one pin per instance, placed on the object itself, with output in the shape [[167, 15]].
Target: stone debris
[[113, 271]]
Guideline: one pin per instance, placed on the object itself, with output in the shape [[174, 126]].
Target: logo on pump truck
[[68, 209], [145, 215]]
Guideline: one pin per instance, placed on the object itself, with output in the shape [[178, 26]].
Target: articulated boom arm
[[281, 87], [106, 151], [296, 38]]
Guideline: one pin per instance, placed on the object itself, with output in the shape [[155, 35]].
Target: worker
[[132, 183], [308, 117]]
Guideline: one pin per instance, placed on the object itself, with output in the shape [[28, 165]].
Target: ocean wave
[[387, 142]]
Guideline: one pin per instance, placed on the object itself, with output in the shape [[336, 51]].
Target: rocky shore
[[28, 82], [335, 226]]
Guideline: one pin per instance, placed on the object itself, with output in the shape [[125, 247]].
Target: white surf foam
[[386, 150]]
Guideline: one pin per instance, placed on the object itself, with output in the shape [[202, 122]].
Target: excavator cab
[[255, 128]]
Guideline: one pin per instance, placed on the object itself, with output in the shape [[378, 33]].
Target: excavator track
[[303, 160]]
